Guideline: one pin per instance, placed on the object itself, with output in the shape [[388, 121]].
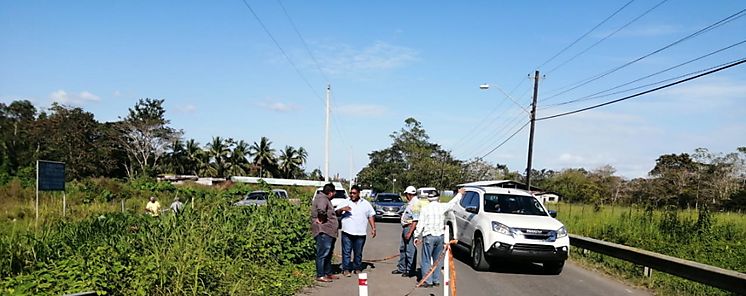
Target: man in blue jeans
[[431, 226], [407, 251], [355, 223], [324, 226]]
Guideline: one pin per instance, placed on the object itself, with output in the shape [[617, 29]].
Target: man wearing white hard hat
[[407, 250]]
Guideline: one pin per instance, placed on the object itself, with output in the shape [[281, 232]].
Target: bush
[[212, 249]]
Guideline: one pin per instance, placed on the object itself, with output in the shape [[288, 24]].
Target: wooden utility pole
[[531, 133]]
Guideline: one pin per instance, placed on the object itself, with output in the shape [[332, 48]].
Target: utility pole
[[326, 135], [531, 133]]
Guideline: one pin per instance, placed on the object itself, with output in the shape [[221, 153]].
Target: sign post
[[50, 176]]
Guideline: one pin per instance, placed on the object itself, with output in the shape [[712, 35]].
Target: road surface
[[512, 279]]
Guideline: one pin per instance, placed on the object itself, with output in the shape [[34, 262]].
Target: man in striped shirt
[[431, 227]]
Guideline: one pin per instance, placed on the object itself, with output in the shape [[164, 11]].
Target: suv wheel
[[554, 267], [478, 260]]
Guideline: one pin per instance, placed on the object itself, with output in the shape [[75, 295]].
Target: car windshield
[[340, 194], [388, 198], [513, 204], [256, 196], [431, 192]]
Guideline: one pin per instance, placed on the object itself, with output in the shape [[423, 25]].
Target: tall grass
[[211, 248], [715, 239]]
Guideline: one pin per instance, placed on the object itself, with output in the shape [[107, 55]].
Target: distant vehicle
[[427, 191], [509, 224], [340, 197], [365, 193], [257, 198], [388, 206]]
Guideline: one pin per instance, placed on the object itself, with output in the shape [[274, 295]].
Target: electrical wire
[[718, 69], [697, 33], [605, 37], [584, 35], [305, 44], [597, 94], [506, 140]]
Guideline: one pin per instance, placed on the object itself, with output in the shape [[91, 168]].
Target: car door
[[459, 213], [470, 220]]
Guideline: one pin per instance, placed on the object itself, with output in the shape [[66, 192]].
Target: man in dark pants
[[407, 250], [324, 226]]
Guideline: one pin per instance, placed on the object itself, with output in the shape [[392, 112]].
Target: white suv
[[502, 223]]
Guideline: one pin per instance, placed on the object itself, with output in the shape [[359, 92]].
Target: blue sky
[[221, 75]]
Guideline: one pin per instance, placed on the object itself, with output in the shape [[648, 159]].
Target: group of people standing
[[153, 207], [353, 217], [423, 220]]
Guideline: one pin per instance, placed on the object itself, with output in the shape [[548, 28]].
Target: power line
[[305, 44], [699, 32], [477, 127], [506, 140], [732, 64], [606, 37], [596, 95], [584, 35], [282, 50], [498, 135]]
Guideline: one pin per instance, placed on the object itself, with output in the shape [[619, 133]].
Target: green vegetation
[[211, 248], [700, 236]]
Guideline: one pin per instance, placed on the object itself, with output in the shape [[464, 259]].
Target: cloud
[[62, 97], [278, 106], [188, 108], [344, 59], [366, 110]]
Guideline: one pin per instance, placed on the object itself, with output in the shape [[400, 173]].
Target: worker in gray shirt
[[324, 226]]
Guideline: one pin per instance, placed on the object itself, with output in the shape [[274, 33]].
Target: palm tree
[[263, 156], [218, 152], [289, 162], [192, 155], [238, 164]]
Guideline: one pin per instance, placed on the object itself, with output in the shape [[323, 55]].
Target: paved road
[[514, 279]]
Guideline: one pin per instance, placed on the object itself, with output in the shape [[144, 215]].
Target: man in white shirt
[[355, 223], [431, 227]]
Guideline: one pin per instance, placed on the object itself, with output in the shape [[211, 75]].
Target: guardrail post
[[647, 271]]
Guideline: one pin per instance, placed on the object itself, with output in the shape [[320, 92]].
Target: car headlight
[[501, 228], [378, 208], [562, 232]]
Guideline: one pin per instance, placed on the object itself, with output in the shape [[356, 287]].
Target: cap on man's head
[[410, 190]]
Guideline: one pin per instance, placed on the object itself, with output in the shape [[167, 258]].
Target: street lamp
[[393, 186]]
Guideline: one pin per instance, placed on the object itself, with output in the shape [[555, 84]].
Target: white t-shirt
[[355, 222]]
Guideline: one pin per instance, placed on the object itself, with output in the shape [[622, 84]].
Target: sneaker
[[426, 285], [397, 272], [332, 277], [346, 273]]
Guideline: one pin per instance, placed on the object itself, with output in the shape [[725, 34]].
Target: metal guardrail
[[728, 280]]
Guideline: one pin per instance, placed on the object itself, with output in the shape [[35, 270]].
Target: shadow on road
[[461, 253]]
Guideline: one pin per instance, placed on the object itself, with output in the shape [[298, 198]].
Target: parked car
[[256, 198], [340, 197], [388, 206], [509, 224], [427, 191]]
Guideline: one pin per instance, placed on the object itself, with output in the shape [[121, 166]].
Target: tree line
[[141, 144], [703, 178]]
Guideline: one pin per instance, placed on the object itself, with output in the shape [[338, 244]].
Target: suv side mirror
[[553, 213], [473, 210]]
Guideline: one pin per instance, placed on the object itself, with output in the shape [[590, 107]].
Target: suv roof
[[499, 190]]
